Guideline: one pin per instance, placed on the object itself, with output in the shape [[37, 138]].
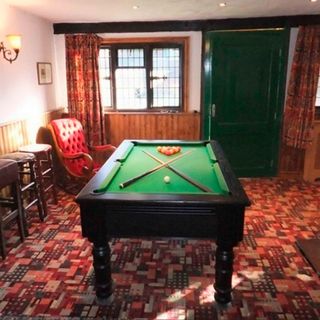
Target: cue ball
[[166, 179]]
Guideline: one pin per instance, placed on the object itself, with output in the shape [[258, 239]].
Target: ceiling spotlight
[[135, 7], [222, 4], [313, 0]]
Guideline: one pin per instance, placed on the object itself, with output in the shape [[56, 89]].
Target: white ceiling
[[156, 10]]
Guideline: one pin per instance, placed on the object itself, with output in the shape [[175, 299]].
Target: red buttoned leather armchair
[[72, 150]]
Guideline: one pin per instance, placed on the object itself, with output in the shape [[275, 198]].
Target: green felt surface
[[199, 164]]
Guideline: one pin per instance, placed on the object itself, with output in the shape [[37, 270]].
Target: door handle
[[213, 110]]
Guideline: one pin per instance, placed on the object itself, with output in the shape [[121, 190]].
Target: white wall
[[61, 75], [21, 97], [194, 90]]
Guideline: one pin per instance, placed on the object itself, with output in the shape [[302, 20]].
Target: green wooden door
[[244, 85]]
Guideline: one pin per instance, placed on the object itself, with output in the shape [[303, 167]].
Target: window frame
[[161, 42]]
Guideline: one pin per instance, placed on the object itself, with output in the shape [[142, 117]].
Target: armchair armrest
[[88, 169], [73, 156], [105, 147]]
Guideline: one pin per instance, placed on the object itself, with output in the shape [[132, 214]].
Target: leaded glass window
[[142, 76]]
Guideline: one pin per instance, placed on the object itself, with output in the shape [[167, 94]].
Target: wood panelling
[[17, 133], [291, 162], [180, 126], [312, 160], [299, 163], [120, 126]]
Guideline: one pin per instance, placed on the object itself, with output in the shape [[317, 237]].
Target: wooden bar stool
[[29, 182], [44, 171], [10, 205]]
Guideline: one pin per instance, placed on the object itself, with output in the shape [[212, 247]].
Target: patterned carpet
[[50, 275]]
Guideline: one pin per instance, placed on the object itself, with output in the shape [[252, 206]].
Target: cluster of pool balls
[[168, 150]]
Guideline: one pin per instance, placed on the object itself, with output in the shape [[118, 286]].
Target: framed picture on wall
[[44, 70]]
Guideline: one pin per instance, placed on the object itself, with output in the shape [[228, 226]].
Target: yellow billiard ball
[[166, 179]]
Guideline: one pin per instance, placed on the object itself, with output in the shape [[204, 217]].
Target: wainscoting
[[312, 161], [120, 126], [291, 162], [178, 126], [17, 133]]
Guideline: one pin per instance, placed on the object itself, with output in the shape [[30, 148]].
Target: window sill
[[150, 112]]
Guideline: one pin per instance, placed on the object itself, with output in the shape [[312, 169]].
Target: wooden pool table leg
[[102, 267], [223, 276]]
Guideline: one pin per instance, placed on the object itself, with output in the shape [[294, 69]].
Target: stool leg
[[33, 176], [39, 179], [17, 212], [21, 218], [52, 178], [2, 238]]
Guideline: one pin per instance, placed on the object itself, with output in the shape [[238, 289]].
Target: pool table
[[141, 192]]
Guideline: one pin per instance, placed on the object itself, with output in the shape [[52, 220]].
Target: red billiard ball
[[169, 152]]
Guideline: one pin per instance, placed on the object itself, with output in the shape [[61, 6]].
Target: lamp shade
[[15, 41]]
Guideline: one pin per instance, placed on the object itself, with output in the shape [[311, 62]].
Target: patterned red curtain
[[301, 96], [82, 52]]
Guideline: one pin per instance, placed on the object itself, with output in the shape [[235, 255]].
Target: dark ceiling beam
[[190, 25]]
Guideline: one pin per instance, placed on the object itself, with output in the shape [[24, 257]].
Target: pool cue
[[136, 178], [181, 174]]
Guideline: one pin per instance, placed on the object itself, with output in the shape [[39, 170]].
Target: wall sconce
[[15, 43]]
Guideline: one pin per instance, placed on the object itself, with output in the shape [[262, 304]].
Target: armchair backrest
[[69, 135], [69, 139]]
